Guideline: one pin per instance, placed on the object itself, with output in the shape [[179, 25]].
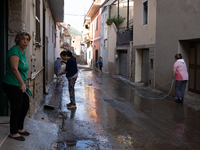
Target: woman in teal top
[[14, 85]]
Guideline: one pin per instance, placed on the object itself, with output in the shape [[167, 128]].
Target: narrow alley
[[110, 115], [138, 84]]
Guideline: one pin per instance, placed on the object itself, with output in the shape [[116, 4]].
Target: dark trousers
[[180, 88], [19, 105]]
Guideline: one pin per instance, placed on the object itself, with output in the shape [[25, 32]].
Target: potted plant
[[109, 21], [114, 20]]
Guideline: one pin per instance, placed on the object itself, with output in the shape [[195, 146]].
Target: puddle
[[77, 145]]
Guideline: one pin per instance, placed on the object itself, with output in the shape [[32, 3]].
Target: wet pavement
[[111, 115]]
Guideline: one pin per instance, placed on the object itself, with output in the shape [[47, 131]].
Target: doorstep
[[192, 99], [4, 128]]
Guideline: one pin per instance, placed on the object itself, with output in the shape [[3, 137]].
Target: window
[[37, 17], [97, 23], [145, 13]]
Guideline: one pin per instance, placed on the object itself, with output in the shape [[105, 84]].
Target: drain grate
[[77, 145]]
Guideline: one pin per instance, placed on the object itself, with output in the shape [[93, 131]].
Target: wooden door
[[145, 65], [194, 67]]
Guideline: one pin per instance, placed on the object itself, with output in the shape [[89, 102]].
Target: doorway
[[123, 63], [194, 67], [96, 57], [145, 65], [3, 51], [142, 65]]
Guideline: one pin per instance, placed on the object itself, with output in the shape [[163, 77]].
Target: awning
[[57, 7], [108, 2]]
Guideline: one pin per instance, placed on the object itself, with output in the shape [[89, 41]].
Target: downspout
[[127, 14], [118, 17], [44, 43]]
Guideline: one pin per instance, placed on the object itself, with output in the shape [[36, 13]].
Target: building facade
[[38, 17], [94, 14], [156, 40]]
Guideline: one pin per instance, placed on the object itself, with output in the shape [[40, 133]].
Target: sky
[[74, 12]]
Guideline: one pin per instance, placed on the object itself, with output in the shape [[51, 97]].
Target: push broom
[[50, 106]]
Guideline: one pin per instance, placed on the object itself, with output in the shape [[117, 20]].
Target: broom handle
[[54, 86]]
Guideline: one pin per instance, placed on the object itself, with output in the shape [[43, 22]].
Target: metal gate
[[123, 62], [194, 67], [145, 65]]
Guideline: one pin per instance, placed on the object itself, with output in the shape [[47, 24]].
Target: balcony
[[124, 36], [87, 39]]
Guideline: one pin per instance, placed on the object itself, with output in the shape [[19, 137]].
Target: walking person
[[180, 70], [14, 85], [71, 72], [100, 62]]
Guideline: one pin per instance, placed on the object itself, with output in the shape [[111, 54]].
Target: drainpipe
[[118, 18], [44, 47], [128, 14]]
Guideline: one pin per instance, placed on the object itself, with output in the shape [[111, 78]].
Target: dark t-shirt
[[71, 67]]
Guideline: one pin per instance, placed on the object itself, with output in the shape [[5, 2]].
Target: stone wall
[[16, 20], [36, 87]]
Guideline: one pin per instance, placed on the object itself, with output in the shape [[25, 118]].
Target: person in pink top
[[180, 70]]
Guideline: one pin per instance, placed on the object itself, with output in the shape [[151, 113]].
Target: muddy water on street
[[110, 115]]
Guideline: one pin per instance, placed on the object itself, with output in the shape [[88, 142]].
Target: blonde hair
[[21, 34]]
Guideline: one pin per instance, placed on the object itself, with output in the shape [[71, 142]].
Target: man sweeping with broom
[[71, 72]]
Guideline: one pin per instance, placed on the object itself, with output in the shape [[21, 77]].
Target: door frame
[[96, 57], [143, 67], [3, 52], [194, 66]]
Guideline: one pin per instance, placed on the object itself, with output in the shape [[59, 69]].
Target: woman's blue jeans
[[180, 88]]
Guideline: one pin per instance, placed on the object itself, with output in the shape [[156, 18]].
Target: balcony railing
[[125, 36]]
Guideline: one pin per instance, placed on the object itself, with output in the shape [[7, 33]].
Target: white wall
[[57, 51], [104, 36], [76, 43], [50, 57]]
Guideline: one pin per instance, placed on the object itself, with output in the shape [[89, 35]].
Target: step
[[4, 129]]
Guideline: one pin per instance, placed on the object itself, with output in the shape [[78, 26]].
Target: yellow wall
[[144, 34]]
